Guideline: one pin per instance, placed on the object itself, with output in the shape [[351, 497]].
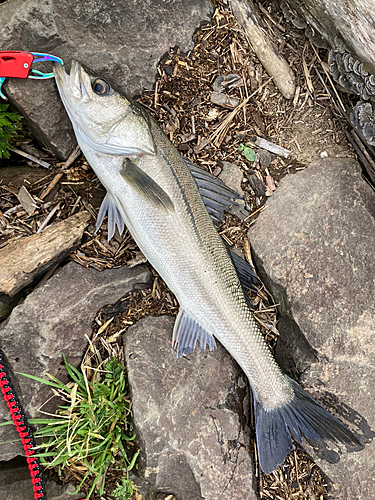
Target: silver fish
[[158, 196]]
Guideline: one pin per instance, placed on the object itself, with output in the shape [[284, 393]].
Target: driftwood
[[23, 259], [275, 65]]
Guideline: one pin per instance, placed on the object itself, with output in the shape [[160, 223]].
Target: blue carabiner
[[18, 64]]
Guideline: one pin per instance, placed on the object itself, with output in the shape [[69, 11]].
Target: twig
[[42, 163], [49, 217], [51, 185], [307, 72], [270, 146], [71, 158]]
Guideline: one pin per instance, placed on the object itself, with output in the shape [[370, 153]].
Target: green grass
[[9, 126], [91, 434]]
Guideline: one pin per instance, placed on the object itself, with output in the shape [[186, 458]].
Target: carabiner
[[17, 64]]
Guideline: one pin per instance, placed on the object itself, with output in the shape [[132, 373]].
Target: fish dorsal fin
[[216, 196], [186, 332], [145, 186], [114, 216], [245, 271]]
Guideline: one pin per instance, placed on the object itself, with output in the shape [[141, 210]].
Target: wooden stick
[[51, 185], [275, 65], [42, 163]]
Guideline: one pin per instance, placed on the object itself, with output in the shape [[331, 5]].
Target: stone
[[232, 177], [15, 483], [54, 319], [313, 248], [7, 303], [190, 416], [40, 105], [121, 41]]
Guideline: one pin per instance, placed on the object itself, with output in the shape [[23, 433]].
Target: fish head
[[103, 119]]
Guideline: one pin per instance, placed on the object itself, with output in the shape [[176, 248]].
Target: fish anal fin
[[187, 332], [145, 186], [109, 207]]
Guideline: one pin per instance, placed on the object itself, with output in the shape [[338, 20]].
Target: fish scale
[[150, 188]]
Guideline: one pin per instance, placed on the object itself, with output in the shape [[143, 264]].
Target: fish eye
[[101, 87]]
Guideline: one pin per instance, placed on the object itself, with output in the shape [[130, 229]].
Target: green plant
[[247, 152], [89, 434], [9, 125], [124, 490]]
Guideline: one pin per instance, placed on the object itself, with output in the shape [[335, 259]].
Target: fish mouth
[[71, 87]]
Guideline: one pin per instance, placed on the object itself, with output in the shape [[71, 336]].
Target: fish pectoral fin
[[145, 186], [109, 207], [186, 333]]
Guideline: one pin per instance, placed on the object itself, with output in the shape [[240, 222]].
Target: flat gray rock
[[122, 41], [314, 246], [189, 416], [54, 319]]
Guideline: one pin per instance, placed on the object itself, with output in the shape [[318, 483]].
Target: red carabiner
[[15, 63]]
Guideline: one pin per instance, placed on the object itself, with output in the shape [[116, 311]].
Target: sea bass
[[162, 199]]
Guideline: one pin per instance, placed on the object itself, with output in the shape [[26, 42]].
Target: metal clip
[[17, 64]]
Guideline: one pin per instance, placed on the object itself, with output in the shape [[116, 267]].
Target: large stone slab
[[190, 416], [55, 319], [314, 245], [122, 41]]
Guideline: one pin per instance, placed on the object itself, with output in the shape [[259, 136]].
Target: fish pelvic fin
[[109, 207], [303, 414]]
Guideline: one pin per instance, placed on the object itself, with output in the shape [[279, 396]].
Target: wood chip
[[26, 200], [224, 100]]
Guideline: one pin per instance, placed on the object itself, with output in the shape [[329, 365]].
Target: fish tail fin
[[303, 414]]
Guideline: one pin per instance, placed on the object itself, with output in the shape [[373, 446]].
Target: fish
[[170, 207]]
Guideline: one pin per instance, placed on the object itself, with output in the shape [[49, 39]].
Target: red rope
[[24, 431]]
